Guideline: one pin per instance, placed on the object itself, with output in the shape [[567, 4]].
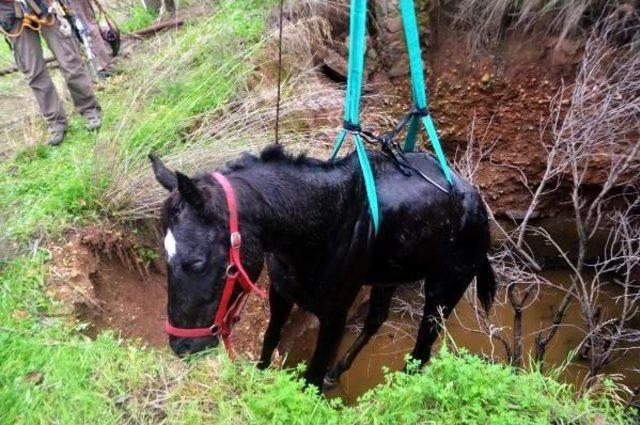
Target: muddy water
[[397, 337]]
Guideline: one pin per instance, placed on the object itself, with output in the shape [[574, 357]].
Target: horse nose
[[185, 346], [180, 346]]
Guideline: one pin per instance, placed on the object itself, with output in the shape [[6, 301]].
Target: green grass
[[51, 373], [150, 107], [192, 76], [139, 17]]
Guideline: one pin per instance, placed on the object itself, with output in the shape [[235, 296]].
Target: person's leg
[[99, 47], [30, 60], [170, 8], [74, 71]]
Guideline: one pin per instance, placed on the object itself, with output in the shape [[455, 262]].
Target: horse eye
[[197, 266]]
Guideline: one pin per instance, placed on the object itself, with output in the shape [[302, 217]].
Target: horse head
[[197, 247]]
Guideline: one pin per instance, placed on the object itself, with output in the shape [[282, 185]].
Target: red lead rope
[[227, 315]]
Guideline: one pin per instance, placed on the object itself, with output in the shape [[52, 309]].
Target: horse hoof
[[329, 383]]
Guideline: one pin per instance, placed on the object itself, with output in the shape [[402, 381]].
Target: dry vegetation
[[488, 22], [594, 127]]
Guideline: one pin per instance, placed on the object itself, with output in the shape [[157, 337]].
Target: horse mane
[[273, 154], [276, 154]]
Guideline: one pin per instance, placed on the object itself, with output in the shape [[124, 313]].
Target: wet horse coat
[[310, 220]]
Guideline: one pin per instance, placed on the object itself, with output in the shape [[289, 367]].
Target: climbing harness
[[29, 11], [419, 114], [227, 314]]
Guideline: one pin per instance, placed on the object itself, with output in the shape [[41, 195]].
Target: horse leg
[[441, 297], [377, 315], [280, 310], [329, 337]]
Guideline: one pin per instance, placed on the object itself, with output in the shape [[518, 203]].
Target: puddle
[[396, 338], [118, 297]]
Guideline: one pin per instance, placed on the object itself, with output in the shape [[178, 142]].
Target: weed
[[139, 17]]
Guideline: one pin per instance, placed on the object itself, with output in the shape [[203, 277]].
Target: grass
[[52, 373], [139, 17], [454, 389], [43, 191]]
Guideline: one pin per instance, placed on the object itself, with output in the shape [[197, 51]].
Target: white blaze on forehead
[[170, 244]]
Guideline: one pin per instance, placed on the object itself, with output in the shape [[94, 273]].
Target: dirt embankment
[[499, 99], [101, 275]]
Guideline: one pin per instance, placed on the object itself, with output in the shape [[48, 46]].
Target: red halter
[[227, 315]]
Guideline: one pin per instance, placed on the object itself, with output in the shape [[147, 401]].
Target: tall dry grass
[[310, 113], [486, 22]]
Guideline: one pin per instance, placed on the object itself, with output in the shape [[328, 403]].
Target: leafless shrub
[[592, 146], [516, 271], [608, 336], [598, 138]]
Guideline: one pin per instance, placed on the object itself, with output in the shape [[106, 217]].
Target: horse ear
[[190, 191], [164, 176]]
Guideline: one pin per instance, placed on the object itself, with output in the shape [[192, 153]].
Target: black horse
[[310, 220]]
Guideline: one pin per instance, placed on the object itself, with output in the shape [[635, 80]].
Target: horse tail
[[486, 284]]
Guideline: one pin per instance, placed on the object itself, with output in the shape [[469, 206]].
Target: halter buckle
[[236, 240]]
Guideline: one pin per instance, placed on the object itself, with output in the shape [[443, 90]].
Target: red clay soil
[[107, 292], [505, 94]]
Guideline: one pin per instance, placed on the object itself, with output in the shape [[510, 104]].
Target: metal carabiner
[[232, 271]]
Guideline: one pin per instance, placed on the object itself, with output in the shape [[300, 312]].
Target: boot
[[56, 137], [93, 123]]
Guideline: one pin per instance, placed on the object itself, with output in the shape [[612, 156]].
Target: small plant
[[140, 17], [146, 255]]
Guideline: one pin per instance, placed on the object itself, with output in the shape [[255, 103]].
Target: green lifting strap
[[357, 48], [418, 87]]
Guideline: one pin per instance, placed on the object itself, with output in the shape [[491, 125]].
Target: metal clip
[[232, 271], [236, 240]]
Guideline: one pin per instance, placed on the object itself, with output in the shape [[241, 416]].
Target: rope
[[12, 34], [32, 22], [277, 125]]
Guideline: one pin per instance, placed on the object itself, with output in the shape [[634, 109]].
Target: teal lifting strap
[[357, 47], [351, 125], [419, 89]]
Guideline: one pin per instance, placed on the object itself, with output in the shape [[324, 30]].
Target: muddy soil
[[109, 291]]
